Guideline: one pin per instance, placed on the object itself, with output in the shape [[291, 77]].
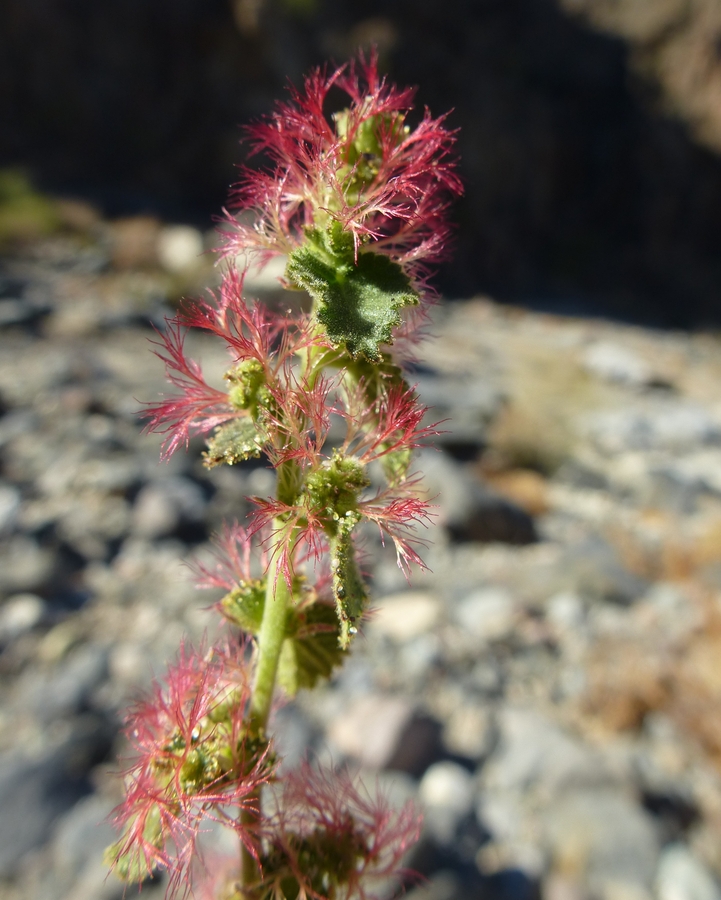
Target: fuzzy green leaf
[[239, 440], [357, 302], [244, 605], [311, 652]]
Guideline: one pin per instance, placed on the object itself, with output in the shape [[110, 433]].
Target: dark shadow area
[[580, 197]]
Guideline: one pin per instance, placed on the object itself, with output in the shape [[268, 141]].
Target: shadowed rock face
[[588, 187]]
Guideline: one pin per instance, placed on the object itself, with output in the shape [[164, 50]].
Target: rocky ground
[[549, 691]]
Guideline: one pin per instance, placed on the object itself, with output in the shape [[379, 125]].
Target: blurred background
[[589, 129], [550, 691]]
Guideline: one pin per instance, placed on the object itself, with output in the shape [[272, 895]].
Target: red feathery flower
[[193, 764], [332, 839], [198, 409], [251, 333], [384, 182], [231, 561]]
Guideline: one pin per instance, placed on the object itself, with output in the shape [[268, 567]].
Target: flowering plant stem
[[357, 204]]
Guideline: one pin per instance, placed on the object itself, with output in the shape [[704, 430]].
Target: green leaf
[[395, 464], [357, 302], [244, 605], [348, 588], [240, 439], [311, 651]]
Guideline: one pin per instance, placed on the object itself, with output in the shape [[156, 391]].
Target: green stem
[[270, 641], [278, 597]]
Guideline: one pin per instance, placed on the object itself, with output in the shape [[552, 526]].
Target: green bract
[[247, 382], [357, 301], [311, 651], [348, 588], [243, 606], [311, 647], [333, 491], [240, 439]]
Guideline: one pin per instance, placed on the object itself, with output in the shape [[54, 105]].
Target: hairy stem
[[278, 597], [270, 641]]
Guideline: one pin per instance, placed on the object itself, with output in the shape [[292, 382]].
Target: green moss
[[25, 213]]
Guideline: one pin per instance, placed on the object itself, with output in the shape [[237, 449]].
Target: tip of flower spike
[[384, 183]]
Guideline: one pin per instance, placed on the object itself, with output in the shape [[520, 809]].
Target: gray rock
[[614, 362], [20, 614], [179, 248], [533, 752], [66, 690], [606, 836], [16, 423], [469, 730], [697, 472], [163, 505], [592, 568], [469, 510], [466, 406], [446, 792], [34, 793], [24, 565], [681, 876], [675, 426], [9, 507], [292, 735], [487, 614], [82, 834], [264, 280], [371, 728]]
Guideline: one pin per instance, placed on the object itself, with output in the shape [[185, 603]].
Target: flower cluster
[[365, 169], [356, 201], [194, 759]]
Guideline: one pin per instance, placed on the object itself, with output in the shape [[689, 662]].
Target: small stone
[[406, 615], [677, 426], [535, 751], [488, 614], [446, 792], [134, 242], [448, 785], [417, 657], [9, 507], [264, 279], [128, 664], [34, 793], [66, 690], [24, 566], [163, 505], [613, 839], [681, 876], [20, 614], [468, 731], [565, 611], [82, 835], [614, 362], [370, 728], [470, 510], [179, 248]]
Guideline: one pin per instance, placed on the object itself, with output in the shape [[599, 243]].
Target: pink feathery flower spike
[[358, 202], [380, 179]]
